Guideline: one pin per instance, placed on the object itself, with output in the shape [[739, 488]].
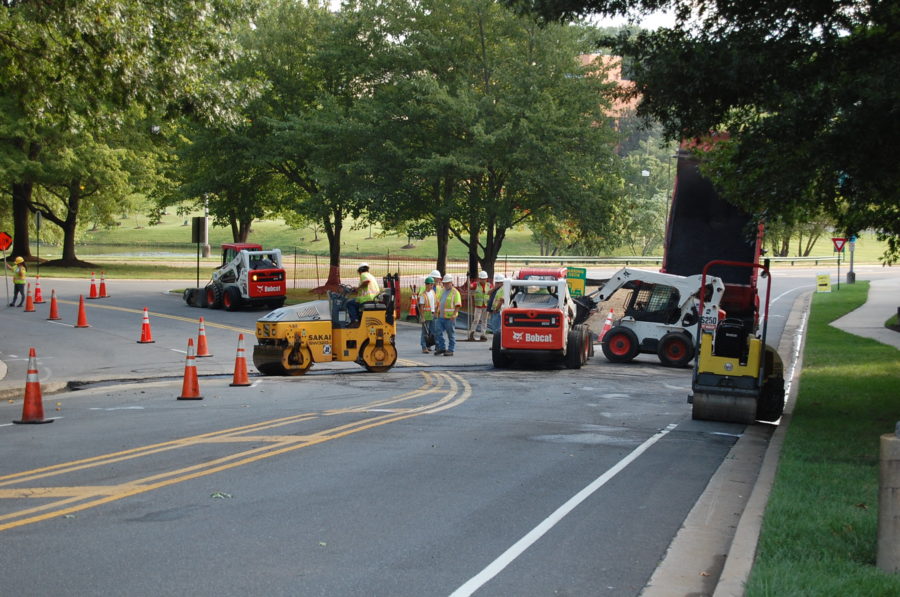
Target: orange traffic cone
[[32, 407], [202, 348], [93, 294], [190, 388], [413, 307], [29, 304], [82, 316], [607, 325], [38, 296], [240, 365], [103, 287], [146, 332], [54, 308]]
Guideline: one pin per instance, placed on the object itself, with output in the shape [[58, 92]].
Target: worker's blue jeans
[[441, 325]]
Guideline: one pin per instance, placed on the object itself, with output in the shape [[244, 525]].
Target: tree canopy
[[806, 91]]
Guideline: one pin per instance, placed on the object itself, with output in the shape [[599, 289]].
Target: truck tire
[[620, 345], [574, 349], [500, 359], [214, 294], [587, 343], [189, 296], [675, 349], [231, 299]]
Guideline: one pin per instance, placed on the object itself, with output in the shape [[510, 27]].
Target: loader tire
[[214, 293], [500, 359], [620, 345], [574, 349], [675, 350], [231, 298]]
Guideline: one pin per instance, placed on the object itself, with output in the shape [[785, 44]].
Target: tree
[[74, 67], [495, 121], [806, 90]]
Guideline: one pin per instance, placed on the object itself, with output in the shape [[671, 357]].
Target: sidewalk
[[868, 320]]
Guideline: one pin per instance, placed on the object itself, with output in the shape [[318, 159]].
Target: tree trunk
[[333, 232], [21, 197]]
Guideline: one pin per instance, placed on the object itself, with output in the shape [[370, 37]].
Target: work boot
[[471, 336], [425, 350], [439, 352], [483, 339], [448, 353]]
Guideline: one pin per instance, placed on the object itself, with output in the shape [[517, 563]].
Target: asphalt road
[[439, 477]]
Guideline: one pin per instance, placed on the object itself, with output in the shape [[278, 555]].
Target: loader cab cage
[[656, 303]]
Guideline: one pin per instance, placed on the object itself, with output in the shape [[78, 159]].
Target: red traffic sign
[[5, 241], [839, 244]]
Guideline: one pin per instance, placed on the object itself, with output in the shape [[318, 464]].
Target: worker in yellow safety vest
[[480, 292], [366, 292], [19, 273], [448, 305]]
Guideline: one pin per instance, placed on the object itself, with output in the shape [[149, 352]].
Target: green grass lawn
[[820, 527], [135, 235]]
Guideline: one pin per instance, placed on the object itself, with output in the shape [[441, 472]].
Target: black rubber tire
[[500, 359], [574, 349], [770, 405], [189, 296], [587, 343], [675, 349], [214, 293], [620, 345], [231, 299]]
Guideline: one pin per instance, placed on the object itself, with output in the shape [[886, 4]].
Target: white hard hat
[[447, 278], [435, 274], [482, 275], [362, 265], [498, 277]]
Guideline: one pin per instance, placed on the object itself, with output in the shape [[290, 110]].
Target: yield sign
[[5, 241], [839, 244]]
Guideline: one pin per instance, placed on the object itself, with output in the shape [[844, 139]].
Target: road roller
[[737, 377], [292, 338]]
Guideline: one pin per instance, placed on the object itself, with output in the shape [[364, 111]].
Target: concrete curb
[[742, 554], [713, 552]]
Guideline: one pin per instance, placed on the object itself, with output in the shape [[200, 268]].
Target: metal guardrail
[[563, 260]]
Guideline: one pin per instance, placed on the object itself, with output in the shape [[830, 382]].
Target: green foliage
[[819, 532]]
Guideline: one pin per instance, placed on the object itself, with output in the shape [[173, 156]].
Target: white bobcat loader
[[248, 276], [660, 316]]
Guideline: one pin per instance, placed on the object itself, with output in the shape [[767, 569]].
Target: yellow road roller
[[737, 377], [290, 339]]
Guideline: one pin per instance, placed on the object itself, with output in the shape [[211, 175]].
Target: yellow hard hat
[[19, 260]]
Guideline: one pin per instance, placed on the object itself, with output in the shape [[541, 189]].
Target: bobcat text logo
[[271, 288], [538, 338]]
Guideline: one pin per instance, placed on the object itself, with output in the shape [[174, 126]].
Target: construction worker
[[19, 273], [427, 306], [480, 291], [495, 303], [366, 292], [449, 302]]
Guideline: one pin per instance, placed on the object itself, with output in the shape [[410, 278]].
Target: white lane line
[[775, 300], [505, 559]]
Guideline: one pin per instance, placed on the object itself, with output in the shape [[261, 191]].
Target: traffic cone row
[[54, 308], [240, 365], [607, 325], [32, 405], [190, 387], [82, 315], [103, 293]]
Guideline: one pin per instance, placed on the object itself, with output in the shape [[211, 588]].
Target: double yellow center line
[[449, 389]]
